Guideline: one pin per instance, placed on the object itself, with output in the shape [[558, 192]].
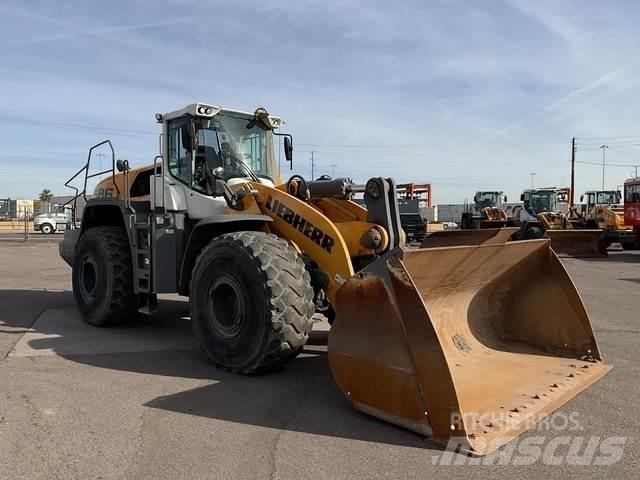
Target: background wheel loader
[[485, 212], [540, 216], [480, 221], [604, 210], [447, 341]]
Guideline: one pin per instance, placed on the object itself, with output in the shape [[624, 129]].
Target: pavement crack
[[284, 427], [128, 471], [615, 330]]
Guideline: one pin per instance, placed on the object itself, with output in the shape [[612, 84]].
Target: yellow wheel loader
[[604, 210], [486, 211], [540, 216], [448, 341]]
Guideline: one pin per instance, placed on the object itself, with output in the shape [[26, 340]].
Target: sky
[[465, 95]]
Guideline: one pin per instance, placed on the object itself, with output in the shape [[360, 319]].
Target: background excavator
[[540, 216], [423, 338]]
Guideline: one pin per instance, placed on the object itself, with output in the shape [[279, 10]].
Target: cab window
[[179, 140]]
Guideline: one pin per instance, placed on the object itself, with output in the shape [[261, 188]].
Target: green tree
[[46, 195]]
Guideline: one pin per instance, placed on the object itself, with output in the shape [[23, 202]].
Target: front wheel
[[46, 228], [533, 233], [102, 277], [251, 302]]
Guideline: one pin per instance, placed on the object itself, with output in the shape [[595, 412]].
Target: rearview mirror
[[122, 165], [505, 198], [288, 149], [581, 198], [522, 197]]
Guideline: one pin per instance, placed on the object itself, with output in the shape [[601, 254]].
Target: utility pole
[[604, 149], [333, 170], [573, 170], [533, 174], [312, 163]]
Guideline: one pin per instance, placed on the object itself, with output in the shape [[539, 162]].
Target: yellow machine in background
[[485, 212], [603, 209], [540, 216], [449, 341]]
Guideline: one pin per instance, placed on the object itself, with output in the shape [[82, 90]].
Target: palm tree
[[46, 195]]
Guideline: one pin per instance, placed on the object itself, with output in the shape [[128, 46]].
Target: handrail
[[155, 176], [85, 169]]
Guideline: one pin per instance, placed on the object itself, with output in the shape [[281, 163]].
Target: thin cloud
[[558, 104], [100, 31]]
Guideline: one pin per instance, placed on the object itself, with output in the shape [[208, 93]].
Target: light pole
[[100, 155], [533, 174], [604, 149], [333, 170]]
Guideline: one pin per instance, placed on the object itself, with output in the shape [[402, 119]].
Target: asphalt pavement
[[142, 401]]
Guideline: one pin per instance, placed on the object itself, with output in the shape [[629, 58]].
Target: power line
[[76, 126], [606, 138], [627, 165]]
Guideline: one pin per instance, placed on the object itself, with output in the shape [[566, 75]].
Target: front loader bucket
[[483, 236], [577, 243], [466, 344]]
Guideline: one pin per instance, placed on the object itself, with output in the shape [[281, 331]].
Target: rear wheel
[[103, 277], [628, 245], [251, 302]]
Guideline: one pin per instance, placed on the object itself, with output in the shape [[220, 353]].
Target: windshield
[[236, 143], [632, 193], [608, 198], [488, 199], [543, 201]]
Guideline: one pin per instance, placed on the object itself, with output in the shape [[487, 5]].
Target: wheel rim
[[88, 278], [46, 229], [227, 306]]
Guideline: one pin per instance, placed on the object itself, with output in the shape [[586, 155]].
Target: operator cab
[[488, 199], [541, 201], [205, 143], [602, 197]]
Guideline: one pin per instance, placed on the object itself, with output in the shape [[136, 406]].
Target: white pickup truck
[[58, 219]]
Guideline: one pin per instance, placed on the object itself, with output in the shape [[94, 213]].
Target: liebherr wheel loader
[[447, 341]]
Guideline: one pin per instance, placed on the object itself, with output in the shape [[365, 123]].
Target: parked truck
[[58, 219]]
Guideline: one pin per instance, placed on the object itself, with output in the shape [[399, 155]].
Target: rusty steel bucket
[[471, 343], [577, 243]]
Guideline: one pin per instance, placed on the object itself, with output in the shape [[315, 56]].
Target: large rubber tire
[[46, 228], [591, 224], [251, 302], [533, 232], [629, 246], [103, 277]]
